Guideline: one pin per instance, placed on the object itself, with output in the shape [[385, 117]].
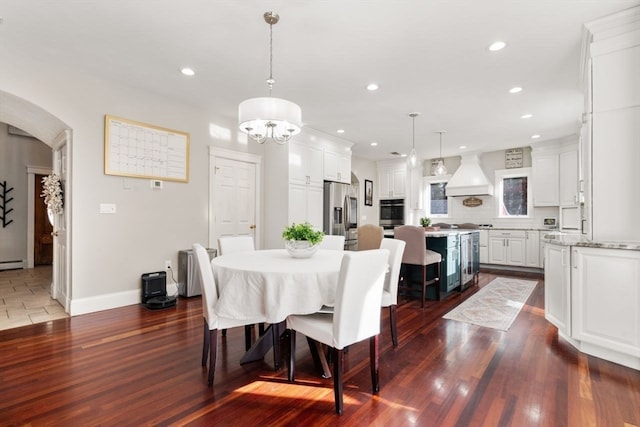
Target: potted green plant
[[426, 223], [301, 240]]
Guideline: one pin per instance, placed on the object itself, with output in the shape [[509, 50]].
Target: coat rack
[[4, 202]]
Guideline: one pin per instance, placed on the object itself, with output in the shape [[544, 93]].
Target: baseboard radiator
[[11, 265]]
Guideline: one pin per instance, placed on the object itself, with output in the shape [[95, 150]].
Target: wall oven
[[391, 213]]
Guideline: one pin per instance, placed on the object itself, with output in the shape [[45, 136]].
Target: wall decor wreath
[[52, 193]]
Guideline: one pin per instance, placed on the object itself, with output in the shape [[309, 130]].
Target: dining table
[[271, 284]]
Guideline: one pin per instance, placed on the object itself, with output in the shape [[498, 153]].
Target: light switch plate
[[107, 208]]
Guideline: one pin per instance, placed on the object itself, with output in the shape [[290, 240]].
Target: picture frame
[[140, 150], [368, 192]]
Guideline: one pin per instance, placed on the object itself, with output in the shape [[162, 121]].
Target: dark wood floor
[[132, 366]]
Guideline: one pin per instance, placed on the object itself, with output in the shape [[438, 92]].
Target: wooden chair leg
[[260, 329], [374, 346], [213, 351], [423, 285], [224, 332], [392, 320], [275, 330], [292, 355], [247, 336], [338, 367], [205, 342]]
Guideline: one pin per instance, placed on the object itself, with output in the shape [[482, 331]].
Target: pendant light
[[440, 167], [269, 118], [413, 156]]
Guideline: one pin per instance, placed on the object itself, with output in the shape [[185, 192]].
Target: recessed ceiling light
[[536, 136], [374, 144], [462, 147], [372, 87], [340, 131], [515, 89], [497, 46], [526, 116], [187, 71]]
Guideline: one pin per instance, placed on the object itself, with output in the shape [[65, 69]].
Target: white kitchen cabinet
[[611, 70], [484, 246], [569, 177], [557, 287], [532, 250], [392, 182], [293, 183], [305, 205], [337, 166], [507, 247], [546, 176], [305, 163], [605, 292]]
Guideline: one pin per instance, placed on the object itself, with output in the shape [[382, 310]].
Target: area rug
[[496, 305]]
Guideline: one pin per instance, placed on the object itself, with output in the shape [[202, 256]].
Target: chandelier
[[413, 156], [267, 117], [440, 167]]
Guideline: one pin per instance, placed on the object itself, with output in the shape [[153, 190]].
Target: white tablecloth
[[270, 284]]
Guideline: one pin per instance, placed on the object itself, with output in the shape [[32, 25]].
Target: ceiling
[[427, 56]]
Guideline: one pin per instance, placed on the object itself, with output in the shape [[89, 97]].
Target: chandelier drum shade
[[269, 118]]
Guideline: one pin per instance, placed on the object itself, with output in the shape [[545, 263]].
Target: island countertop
[[442, 232]]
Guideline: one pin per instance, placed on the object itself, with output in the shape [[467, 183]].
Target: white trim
[[501, 174], [103, 302], [216, 152]]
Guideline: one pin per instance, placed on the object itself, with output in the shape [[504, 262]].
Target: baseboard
[[11, 265], [514, 270], [103, 302]]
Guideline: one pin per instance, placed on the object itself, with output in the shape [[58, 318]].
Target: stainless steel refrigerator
[[340, 216]]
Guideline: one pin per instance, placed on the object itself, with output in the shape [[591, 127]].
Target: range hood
[[469, 179]]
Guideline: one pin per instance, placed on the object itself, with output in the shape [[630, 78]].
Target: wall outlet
[[167, 265]]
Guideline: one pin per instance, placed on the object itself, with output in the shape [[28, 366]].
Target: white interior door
[[234, 197], [61, 283]]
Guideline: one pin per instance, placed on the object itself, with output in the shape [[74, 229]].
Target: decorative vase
[[300, 248]]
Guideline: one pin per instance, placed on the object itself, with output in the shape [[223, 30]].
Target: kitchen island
[[592, 295], [460, 251]]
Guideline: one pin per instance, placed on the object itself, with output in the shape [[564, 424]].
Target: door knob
[[252, 226], [54, 233]]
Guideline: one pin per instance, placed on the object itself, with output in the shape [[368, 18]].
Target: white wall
[[16, 153], [366, 169], [110, 252]]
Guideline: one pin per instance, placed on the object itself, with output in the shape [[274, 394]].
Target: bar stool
[[369, 237], [416, 255]]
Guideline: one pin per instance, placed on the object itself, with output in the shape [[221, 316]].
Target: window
[[513, 193], [436, 197]]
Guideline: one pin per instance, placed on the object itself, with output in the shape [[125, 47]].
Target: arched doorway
[[56, 134]]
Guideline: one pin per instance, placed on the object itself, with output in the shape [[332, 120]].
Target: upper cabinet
[[305, 163], [392, 180], [546, 176], [337, 164], [610, 74]]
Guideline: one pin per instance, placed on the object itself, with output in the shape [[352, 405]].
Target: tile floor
[[25, 297]]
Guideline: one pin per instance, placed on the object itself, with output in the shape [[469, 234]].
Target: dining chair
[[228, 245], [369, 237], [335, 243], [356, 316], [416, 255], [391, 282], [231, 244], [212, 322]]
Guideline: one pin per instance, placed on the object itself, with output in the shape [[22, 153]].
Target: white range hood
[[469, 179]]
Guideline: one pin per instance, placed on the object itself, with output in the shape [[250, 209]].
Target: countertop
[[579, 240], [444, 232]]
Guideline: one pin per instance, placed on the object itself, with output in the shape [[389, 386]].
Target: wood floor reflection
[[132, 366]]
